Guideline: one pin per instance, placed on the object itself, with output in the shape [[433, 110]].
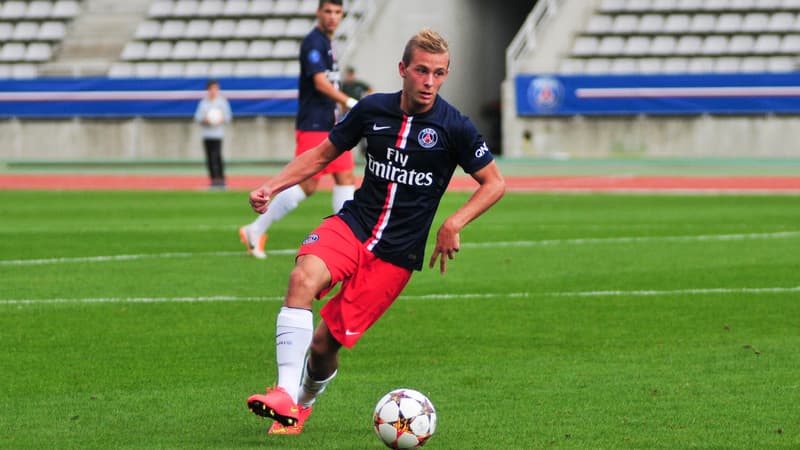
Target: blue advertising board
[[547, 95], [148, 97]]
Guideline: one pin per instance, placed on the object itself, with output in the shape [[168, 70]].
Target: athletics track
[[515, 183]]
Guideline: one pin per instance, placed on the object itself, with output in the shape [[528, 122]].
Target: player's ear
[[401, 67]]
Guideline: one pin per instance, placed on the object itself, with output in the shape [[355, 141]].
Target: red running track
[[677, 184]]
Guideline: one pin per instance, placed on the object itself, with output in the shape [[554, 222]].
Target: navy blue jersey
[[410, 160], [316, 111]]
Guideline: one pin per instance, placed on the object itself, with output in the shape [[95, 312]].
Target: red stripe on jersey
[[383, 220], [405, 129]]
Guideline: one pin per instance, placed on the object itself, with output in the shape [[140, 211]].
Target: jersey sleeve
[[313, 58], [473, 153], [347, 132]]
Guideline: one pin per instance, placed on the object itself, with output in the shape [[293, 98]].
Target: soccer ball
[[215, 116], [404, 418]]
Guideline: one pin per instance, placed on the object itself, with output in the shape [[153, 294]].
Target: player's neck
[[411, 108], [328, 34]]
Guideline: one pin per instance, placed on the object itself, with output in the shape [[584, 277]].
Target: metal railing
[[525, 40]]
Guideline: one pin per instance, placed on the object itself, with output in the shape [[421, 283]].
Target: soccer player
[[415, 140], [316, 115]]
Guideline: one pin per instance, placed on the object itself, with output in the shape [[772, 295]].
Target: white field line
[[219, 299], [499, 244]]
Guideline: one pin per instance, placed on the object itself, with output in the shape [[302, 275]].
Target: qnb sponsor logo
[[482, 150], [393, 169]]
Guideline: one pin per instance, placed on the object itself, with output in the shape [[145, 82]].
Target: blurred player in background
[[316, 115], [353, 86], [415, 140], [212, 113]]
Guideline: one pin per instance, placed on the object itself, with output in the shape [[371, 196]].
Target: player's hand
[[259, 200], [447, 245]]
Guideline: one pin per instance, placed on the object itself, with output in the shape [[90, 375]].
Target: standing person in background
[[212, 113], [354, 87], [316, 115]]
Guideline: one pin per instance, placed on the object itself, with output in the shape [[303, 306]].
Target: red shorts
[[369, 284], [306, 140]]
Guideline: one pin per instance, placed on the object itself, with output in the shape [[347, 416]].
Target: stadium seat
[[121, 70], [308, 7], [234, 49], [198, 69], [52, 31], [235, 8], [596, 66], [184, 50], [781, 64], [636, 6], [286, 7], [729, 23], [790, 44], [611, 5], [170, 70], [790, 4], [210, 8], [24, 70], [25, 31], [146, 69], [767, 43], [637, 46], [185, 8], [260, 8], [715, 5], [5, 71], [159, 50], [690, 5], [664, 5], [12, 51], [715, 45], [298, 27], [741, 44], [727, 64], [291, 68], [148, 29], [755, 22], [6, 31], [197, 29], [651, 23], [65, 9], [223, 29], [743, 5], [625, 24], [663, 45], [753, 64], [172, 29], [273, 28], [689, 45], [701, 65], [585, 46], [675, 65], [570, 66], [13, 10], [39, 9], [703, 23], [611, 45], [286, 48], [649, 65], [782, 21], [677, 24], [259, 49], [246, 69], [624, 66], [220, 68], [270, 68], [247, 28], [209, 50], [38, 52]]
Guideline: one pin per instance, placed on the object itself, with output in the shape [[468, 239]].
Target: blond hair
[[426, 40]]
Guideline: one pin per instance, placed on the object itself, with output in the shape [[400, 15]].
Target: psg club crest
[[311, 238], [428, 137], [545, 93]]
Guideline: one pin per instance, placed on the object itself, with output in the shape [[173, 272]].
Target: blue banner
[[658, 94], [147, 97]]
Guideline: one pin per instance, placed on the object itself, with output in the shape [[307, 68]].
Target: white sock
[[341, 194], [311, 388], [279, 207], [293, 333]]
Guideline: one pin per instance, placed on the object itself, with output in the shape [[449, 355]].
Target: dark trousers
[[216, 168]]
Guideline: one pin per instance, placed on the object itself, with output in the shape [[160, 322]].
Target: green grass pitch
[[133, 320]]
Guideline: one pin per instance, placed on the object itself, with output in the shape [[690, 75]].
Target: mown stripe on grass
[[217, 299], [497, 244]]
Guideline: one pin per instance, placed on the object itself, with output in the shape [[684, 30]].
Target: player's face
[[422, 79], [329, 16]]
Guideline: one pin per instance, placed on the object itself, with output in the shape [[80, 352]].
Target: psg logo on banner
[[545, 93], [428, 137]]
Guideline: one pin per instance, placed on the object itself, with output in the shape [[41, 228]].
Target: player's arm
[[323, 85], [491, 189], [299, 169]]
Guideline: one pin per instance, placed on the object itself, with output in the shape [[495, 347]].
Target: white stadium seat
[[65, 9], [148, 29], [585, 46], [24, 70], [234, 50], [39, 9], [6, 31], [703, 23], [729, 23], [611, 45], [13, 10], [767, 43], [134, 50], [624, 66], [286, 48], [246, 69], [210, 8], [742, 4], [298, 27], [159, 50], [663, 45], [637, 45], [259, 49], [716, 5], [755, 22], [260, 8], [664, 5], [612, 5], [197, 29], [146, 69], [185, 8], [701, 65], [38, 52], [25, 31], [248, 28], [753, 64], [741, 44], [597, 66], [184, 50], [223, 28], [121, 70], [649, 65], [599, 24], [790, 44], [690, 5], [197, 69], [651, 23], [273, 28], [170, 70], [291, 68], [172, 29], [625, 24], [13, 51], [308, 7], [637, 5], [235, 8], [209, 50], [689, 45], [221, 68], [286, 7], [726, 64], [675, 65], [270, 68], [161, 8], [781, 64], [715, 45], [52, 31], [677, 23], [782, 21]]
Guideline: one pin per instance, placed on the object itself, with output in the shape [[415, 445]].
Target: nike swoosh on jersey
[[375, 127]]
